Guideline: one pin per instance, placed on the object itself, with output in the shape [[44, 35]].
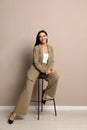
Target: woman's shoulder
[[37, 46]]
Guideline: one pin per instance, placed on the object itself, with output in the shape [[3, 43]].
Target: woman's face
[[43, 38]]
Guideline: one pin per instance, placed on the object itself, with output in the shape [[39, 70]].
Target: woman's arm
[[51, 63]]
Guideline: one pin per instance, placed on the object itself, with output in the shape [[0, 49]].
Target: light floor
[[65, 120]]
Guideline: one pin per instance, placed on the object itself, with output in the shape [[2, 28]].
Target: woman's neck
[[44, 48], [44, 44]]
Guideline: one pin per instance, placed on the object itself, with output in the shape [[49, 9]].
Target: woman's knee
[[32, 73]]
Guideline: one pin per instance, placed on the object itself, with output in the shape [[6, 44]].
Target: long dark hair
[[37, 38]]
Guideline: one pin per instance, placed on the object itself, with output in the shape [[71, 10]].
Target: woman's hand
[[53, 71], [50, 72]]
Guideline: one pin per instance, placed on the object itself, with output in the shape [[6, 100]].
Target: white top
[[45, 57]]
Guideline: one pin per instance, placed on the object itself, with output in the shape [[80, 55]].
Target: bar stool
[[41, 77]]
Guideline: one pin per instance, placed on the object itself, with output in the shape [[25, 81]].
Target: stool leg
[[55, 107], [38, 98], [41, 97]]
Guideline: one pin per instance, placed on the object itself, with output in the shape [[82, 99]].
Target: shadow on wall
[[15, 61]]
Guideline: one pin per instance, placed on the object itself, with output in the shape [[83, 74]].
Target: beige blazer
[[38, 58], [38, 65]]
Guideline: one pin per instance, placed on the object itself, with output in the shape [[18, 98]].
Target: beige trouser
[[25, 97]]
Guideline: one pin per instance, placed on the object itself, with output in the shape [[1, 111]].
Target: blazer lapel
[[48, 53], [41, 52]]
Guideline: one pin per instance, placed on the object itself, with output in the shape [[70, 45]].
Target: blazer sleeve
[[36, 61], [51, 63]]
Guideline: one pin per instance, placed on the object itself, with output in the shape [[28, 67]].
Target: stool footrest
[[35, 101], [47, 99]]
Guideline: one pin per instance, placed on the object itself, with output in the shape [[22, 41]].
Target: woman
[[43, 61]]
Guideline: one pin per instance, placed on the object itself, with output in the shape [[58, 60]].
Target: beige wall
[[66, 23]]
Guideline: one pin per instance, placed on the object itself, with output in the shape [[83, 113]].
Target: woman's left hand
[[53, 71], [50, 72]]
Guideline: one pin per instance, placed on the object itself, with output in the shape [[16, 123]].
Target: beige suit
[[33, 72]]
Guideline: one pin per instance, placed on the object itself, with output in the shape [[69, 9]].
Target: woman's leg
[[25, 97], [52, 85]]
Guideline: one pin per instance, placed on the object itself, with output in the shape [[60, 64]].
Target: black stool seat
[[41, 77]]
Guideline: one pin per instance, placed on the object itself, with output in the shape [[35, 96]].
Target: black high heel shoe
[[43, 101], [10, 121]]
